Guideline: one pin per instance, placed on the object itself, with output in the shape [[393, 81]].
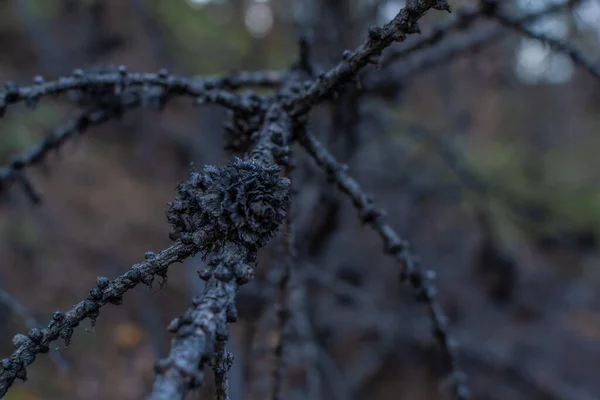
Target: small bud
[[102, 282], [58, 316], [36, 334], [20, 340]]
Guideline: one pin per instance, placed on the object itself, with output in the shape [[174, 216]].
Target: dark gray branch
[[38, 341], [494, 12], [397, 30], [207, 90], [232, 210], [397, 248], [398, 69]]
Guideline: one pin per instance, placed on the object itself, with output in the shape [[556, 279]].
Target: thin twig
[[399, 249], [403, 24], [206, 90], [284, 313], [31, 323], [464, 19], [260, 192], [38, 341], [493, 11], [398, 70], [14, 170]]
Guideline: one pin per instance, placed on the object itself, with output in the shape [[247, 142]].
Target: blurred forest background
[[486, 160]]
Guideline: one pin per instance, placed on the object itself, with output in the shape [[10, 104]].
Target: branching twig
[[207, 212], [397, 69], [14, 170], [465, 18], [403, 24], [206, 90], [230, 211], [492, 10], [101, 113]]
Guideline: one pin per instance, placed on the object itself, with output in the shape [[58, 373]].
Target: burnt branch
[[104, 107], [206, 90], [465, 19], [397, 248], [227, 212], [399, 69], [262, 79], [404, 24], [232, 211], [222, 366], [14, 170], [493, 11], [31, 323], [37, 341]]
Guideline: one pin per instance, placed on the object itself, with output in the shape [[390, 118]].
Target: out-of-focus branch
[[103, 107], [492, 10], [404, 24], [207, 90], [31, 323], [398, 69], [14, 171]]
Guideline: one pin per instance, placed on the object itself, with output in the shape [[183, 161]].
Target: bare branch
[[397, 70], [207, 213], [399, 249], [37, 341], [222, 366], [206, 90], [14, 170], [464, 20], [31, 323], [492, 10], [403, 24]]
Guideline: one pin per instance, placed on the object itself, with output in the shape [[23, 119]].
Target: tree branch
[[38, 341], [403, 24], [397, 248]]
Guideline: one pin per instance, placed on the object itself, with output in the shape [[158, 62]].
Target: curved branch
[[207, 89]]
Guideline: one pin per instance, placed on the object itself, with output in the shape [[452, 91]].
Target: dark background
[[487, 163]]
